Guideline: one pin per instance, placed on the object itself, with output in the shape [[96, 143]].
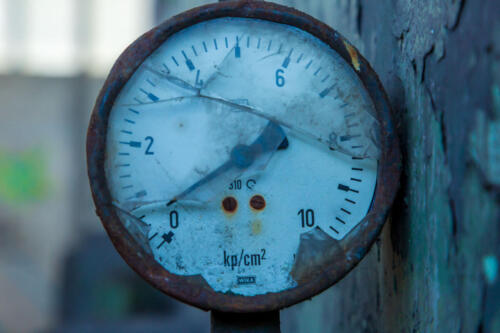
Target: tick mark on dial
[[141, 194], [340, 220], [349, 137], [325, 92], [346, 188], [345, 211], [133, 144], [333, 229], [237, 49], [189, 63], [151, 96], [286, 62], [300, 57]]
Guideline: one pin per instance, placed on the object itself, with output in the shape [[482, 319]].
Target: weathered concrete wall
[[435, 266]]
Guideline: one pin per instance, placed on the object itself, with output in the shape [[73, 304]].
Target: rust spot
[[353, 54], [256, 227], [230, 204], [257, 202]]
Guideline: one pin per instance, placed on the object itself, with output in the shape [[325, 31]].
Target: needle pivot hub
[[242, 156]]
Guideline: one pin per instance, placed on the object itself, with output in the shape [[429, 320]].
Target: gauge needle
[[201, 92], [242, 157]]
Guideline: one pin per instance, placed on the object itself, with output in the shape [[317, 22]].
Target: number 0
[[280, 79], [174, 219]]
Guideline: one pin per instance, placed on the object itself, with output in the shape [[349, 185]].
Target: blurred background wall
[[435, 266], [57, 269]]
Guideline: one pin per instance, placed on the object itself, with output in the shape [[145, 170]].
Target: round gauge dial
[[238, 150]]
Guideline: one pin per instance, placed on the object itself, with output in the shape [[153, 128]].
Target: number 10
[[307, 217]]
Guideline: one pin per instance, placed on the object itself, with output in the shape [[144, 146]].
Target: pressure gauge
[[242, 156]]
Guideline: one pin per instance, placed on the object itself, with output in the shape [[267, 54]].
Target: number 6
[[280, 79]]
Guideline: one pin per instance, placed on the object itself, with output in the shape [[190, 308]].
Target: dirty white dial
[[233, 139]]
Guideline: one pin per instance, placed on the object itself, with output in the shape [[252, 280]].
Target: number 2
[[148, 149]]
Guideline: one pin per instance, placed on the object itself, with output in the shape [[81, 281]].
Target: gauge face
[[242, 156], [234, 139]]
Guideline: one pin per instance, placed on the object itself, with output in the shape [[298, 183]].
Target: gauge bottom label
[[246, 280], [244, 259]]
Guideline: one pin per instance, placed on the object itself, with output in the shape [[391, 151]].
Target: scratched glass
[[234, 138]]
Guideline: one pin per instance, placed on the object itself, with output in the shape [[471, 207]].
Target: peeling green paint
[[484, 147], [495, 93], [490, 268], [23, 176]]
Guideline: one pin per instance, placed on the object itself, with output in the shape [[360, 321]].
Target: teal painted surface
[[490, 267], [435, 266]]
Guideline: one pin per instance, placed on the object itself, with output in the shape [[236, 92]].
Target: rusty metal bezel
[[192, 289]]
